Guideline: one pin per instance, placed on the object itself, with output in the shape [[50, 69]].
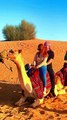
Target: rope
[[10, 68], [1, 60]]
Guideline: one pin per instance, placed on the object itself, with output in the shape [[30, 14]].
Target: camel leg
[[21, 101], [37, 102]]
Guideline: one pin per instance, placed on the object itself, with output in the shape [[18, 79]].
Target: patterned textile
[[48, 83], [37, 83], [60, 74], [65, 76]]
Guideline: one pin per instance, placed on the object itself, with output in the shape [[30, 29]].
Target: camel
[[59, 87], [26, 83]]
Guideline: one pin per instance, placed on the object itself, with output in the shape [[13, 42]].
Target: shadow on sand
[[54, 110], [9, 93]]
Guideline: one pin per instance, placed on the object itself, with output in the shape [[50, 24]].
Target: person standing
[[49, 65]]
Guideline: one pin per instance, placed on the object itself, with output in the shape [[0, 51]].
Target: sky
[[48, 16]]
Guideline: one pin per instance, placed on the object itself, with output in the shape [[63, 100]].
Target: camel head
[[13, 55]]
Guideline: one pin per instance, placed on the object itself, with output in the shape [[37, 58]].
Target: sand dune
[[29, 48], [10, 91]]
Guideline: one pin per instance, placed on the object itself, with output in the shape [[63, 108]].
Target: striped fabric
[[48, 83], [37, 83], [60, 74]]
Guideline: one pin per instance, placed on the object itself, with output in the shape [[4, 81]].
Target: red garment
[[37, 83]]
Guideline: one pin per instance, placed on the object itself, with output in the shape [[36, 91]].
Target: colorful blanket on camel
[[48, 83], [64, 72], [37, 83], [63, 75]]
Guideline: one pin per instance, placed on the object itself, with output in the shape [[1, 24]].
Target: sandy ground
[[10, 91]]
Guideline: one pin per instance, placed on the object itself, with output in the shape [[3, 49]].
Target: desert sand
[[10, 91]]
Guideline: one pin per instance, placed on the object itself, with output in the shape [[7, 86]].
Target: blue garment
[[43, 71]]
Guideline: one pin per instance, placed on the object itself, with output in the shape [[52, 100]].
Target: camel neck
[[21, 66]]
